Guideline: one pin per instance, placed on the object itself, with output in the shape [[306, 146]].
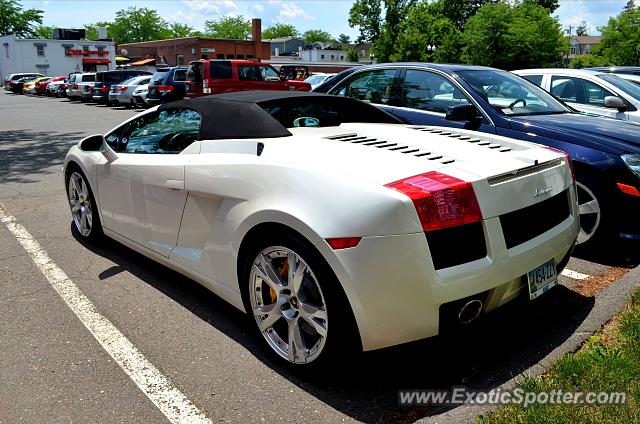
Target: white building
[[55, 57], [321, 55]]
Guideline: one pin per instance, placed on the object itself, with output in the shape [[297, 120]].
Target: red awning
[[96, 61]]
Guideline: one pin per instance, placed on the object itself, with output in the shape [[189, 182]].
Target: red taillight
[[343, 242], [75, 86], [104, 89], [123, 88], [567, 157], [441, 200], [64, 86], [165, 88]]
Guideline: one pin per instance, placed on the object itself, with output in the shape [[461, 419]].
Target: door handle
[[174, 184]]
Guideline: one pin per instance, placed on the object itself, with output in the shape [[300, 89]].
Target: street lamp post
[[431, 49]]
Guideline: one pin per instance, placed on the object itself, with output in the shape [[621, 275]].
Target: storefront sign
[[72, 52], [208, 50]]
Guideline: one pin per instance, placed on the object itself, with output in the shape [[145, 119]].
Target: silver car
[[122, 94], [140, 96], [80, 86]]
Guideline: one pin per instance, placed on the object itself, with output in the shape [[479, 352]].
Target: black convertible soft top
[[243, 115]]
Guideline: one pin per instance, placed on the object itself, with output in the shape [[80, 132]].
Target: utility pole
[[566, 64]]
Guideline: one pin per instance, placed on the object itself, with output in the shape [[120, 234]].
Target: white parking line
[[574, 274], [171, 402]]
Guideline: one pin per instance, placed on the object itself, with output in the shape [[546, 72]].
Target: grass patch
[[608, 362]]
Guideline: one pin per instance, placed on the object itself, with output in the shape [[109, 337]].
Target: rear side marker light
[[165, 88], [567, 157], [441, 201], [630, 190], [343, 242]]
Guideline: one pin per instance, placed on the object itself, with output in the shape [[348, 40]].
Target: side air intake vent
[[464, 137], [393, 146]]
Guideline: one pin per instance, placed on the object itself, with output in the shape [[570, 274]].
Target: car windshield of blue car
[[510, 94], [628, 87]]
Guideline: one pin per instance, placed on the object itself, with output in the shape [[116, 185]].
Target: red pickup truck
[[207, 77]]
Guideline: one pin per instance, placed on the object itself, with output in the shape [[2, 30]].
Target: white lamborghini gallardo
[[326, 219]]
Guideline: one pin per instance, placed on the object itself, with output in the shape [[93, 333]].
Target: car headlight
[[633, 162]]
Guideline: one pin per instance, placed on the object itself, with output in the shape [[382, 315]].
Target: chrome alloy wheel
[[288, 305], [589, 210], [80, 202]]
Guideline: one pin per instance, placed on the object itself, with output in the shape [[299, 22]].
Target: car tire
[[299, 307], [84, 212], [594, 224]]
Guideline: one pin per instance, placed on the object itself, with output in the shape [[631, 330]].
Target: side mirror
[[464, 112], [615, 102], [93, 143]]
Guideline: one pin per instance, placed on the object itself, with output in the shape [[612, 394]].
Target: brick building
[[181, 51]]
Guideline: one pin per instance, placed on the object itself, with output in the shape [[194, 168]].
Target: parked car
[[317, 78], [58, 88], [223, 76], [139, 96], [122, 94], [16, 86], [634, 70], [41, 87], [167, 86], [29, 87], [589, 91], [105, 79], [80, 86], [16, 76], [605, 152], [635, 79], [243, 187]]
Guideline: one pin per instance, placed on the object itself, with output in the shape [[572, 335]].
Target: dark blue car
[[605, 152], [167, 86]]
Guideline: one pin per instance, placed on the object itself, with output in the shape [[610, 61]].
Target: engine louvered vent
[[354, 138], [464, 137]]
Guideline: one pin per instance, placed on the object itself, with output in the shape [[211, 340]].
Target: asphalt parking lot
[[53, 370]]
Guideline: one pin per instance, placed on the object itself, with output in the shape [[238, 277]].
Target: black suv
[[167, 86], [105, 79]]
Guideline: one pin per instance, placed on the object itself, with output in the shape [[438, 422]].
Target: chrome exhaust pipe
[[470, 311]]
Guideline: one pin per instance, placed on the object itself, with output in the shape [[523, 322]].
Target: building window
[[230, 56], [321, 56], [219, 56], [6, 49], [332, 57], [179, 59], [249, 56], [67, 47], [240, 56], [85, 48], [40, 50], [573, 50], [100, 48]]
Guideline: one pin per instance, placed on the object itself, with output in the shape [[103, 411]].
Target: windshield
[[510, 94], [628, 87], [316, 79]]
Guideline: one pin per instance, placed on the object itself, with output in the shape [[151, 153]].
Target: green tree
[[178, 30], [91, 30], [459, 11], [352, 54], [621, 39], [134, 25], [317, 35], [44, 31], [279, 31], [588, 61], [513, 36], [426, 26], [550, 5], [582, 29], [385, 45], [230, 27], [344, 39], [367, 16], [14, 20]]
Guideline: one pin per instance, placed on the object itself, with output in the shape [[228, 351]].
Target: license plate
[[542, 279]]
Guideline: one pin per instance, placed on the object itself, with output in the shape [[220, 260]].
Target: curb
[[607, 304]]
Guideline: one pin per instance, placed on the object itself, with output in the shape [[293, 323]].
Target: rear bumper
[[396, 293]]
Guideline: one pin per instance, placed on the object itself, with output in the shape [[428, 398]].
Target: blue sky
[[329, 15]]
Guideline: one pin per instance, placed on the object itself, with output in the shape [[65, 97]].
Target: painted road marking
[[574, 274], [169, 400]]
